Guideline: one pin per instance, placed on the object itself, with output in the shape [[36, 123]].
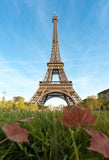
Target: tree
[[3, 103], [18, 102], [9, 105], [91, 102], [0, 104], [31, 107]]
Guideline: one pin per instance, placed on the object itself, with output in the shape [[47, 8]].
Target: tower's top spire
[[55, 53], [55, 17], [55, 13]]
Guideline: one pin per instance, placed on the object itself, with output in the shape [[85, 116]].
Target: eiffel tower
[[62, 88]]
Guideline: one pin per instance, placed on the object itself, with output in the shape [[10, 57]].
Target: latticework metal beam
[[62, 88]]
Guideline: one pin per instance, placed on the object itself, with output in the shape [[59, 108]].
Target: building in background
[[52, 108], [104, 96]]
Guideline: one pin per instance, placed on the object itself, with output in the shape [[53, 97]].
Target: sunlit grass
[[49, 138]]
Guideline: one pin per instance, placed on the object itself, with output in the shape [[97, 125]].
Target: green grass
[[49, 138]]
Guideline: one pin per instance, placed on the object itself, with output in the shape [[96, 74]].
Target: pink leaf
[[77, 116], [27, 119], [15, 133], [99, 142]]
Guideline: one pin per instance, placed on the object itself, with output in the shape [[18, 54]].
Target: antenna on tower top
[[55, 12]]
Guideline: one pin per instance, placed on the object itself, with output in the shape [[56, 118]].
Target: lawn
[[49, 138]]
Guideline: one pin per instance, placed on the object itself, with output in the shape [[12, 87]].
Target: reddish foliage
[[99, 142], [15, 133], [77, 116], [27, 119]]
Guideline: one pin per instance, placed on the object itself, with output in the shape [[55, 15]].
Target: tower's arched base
[[49, 90]]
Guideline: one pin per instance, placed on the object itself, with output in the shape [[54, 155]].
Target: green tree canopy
[[91, 102]]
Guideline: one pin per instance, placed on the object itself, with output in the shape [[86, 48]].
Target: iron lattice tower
[[49, 88]]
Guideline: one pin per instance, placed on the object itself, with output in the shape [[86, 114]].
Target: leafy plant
[[15, 133], [77, 116], [99, 142], [49, 139]]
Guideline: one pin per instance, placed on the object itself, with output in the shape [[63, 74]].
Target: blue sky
[[25, 44]]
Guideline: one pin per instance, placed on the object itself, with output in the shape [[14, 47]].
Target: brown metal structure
[[49, 88]]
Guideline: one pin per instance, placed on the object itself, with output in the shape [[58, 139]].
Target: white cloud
[[15, 4], [4, 84], [103, 14], [15, 82], [83, 81], [7, 70], [85, 86]]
